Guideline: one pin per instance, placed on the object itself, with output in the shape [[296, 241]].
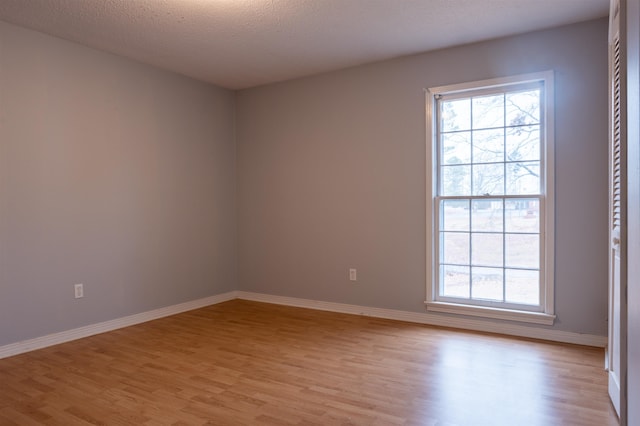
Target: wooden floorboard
[[250, 363]]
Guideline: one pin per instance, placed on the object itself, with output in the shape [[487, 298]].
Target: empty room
[[319, 212]]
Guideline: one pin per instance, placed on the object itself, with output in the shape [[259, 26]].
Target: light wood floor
[[248, 363]]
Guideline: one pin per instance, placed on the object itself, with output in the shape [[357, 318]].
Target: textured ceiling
[[244, 43]]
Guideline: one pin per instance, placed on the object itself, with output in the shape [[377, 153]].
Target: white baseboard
[[416, 317], [435, 319], [89, 330]]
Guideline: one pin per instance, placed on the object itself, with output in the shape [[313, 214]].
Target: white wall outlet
[[353, 274], [78, 290]]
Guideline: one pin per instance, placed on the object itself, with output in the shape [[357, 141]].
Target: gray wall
[[123, 177], [633, 218], [331, 174], [112, 174]]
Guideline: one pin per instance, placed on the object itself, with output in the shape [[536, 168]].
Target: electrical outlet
[[78, 290], [353, 274]]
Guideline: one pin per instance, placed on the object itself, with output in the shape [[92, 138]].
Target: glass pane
[[456, 148], [487, 283], [522, 215], [455, 248], [522, 286], [487, 215], [523, 178], [488, 111], [455, 115], [455, 215], [488, 179], [454, 281], [456, 180], [523, 143], [486, 249], [488, 146], [522, 251], [523, 107]]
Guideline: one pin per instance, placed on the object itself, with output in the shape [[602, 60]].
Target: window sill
[[494, 313]]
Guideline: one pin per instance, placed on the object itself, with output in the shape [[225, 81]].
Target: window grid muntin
[[470, 95], [485, 302]]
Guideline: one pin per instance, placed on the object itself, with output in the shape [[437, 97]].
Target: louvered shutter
[[616, 156]]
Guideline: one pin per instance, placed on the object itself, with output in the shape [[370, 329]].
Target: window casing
[[490, 200]]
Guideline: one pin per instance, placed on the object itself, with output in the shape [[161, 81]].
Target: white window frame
[[545, 314]]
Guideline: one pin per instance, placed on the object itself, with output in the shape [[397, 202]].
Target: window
[[490, 242]]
